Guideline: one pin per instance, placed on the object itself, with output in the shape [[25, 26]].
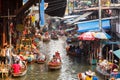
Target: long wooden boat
[[22, 72], [52, 65]]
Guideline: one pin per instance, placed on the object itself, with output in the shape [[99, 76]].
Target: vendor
[[57, 55], [16, 67], [54, 59]]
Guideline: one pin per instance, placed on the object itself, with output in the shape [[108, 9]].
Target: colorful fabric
[[16, 68]]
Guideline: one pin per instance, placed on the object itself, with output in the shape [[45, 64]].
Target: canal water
[[70, 65]]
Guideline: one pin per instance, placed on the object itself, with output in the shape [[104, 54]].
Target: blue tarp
[[42, 20], [117, 53], [93, 25], [25, 1]]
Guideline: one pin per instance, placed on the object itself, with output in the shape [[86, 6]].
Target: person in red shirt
[[16, 67], [57, 54]]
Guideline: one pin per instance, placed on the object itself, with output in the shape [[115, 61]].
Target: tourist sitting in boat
[[57, 55], [46, 33], [67, 48], [90, 75], [22, 57], [104, 65], [41, 57], [15, 58], [114, 65], [30, 57], [114, 74], [54, 59], [16, 67]]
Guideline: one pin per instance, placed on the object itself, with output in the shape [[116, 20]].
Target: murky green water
[[70, 65]]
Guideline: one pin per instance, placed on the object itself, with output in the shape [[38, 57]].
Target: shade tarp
[[117, 53], [93, 25], [67, 30], [56, 7]]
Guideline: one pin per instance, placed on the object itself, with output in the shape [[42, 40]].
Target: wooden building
[[7, 8]]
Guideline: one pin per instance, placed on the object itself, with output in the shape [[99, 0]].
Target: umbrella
[[102, 35], [87, 36]]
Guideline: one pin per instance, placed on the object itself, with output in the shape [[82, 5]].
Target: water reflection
[[70, 65]]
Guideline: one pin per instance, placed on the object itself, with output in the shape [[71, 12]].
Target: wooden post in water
[[107, 53]]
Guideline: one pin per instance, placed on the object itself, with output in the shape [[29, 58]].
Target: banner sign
[[42, 20]]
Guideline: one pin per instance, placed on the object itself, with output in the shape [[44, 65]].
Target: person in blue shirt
[[95, 78]]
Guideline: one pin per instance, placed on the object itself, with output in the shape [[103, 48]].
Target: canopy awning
[[80, 17], [117, 53], [93, 25]]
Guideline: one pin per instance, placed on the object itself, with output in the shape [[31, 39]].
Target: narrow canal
[[70, 65]]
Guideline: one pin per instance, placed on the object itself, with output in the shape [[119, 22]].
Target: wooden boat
[[52, 65], [22, 72], [103, 72], [39, 61]]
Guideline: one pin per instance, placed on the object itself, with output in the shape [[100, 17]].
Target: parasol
[[102, 35], [87, 36]]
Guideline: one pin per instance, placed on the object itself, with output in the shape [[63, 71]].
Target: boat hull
[[54, 66], [41, 61], [22, 72], [104, 73]]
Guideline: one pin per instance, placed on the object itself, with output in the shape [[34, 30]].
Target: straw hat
[[90, 73], [115, 70]]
